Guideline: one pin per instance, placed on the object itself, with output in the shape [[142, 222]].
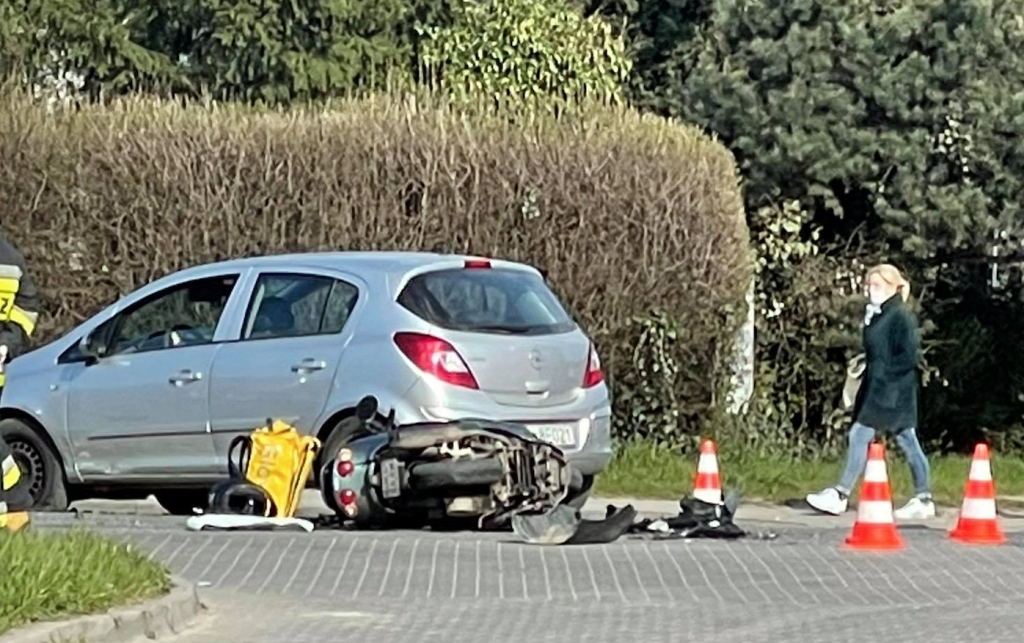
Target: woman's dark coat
[[887, 398]]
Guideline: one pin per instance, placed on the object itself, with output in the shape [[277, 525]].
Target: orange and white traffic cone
[[978, 523], [707, 486], [875, 527]]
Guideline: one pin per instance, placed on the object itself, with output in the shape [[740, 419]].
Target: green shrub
[[527, 49], [627, 213]]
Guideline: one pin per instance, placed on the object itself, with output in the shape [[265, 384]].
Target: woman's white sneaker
[[829, 501], [916, 509]]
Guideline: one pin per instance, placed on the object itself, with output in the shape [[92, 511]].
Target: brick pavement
[[424, 587]]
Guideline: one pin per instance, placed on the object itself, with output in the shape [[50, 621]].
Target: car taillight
[[436, 357], [478, 264], [347, 498], [594, 375], [345, 468]]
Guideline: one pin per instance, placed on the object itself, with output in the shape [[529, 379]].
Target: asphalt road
[[423, 587]]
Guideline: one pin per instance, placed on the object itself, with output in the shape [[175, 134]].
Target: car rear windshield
[[486, 301]]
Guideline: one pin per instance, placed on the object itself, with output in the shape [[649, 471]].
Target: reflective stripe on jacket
[[11, 473], [12, 306]]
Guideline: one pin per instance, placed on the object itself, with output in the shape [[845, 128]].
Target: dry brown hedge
[[628, 213]]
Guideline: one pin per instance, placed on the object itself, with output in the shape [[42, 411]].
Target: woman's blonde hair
[[892, 276]]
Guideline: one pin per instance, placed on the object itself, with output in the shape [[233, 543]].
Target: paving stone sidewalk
[[425, 587]]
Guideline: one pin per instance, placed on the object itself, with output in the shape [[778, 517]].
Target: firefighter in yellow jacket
[[19, 305]]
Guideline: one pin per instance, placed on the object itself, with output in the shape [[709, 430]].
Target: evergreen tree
[[284, 50], [906, 117], [66, 46], [664, 39], [897, 125], [271, 50]]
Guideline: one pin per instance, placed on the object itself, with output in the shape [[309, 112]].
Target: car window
[[184, 315], [486, 300], [339, 306], [289, 305]]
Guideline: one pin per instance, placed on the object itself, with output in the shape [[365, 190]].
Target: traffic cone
[[978, 521], [875, 527], [707, 486]]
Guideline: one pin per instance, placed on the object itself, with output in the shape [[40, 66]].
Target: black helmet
[[240, 498]]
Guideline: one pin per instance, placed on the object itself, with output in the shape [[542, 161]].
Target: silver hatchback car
[[146, 396]]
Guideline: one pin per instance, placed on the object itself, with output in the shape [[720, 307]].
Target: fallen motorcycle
[[474, 471]]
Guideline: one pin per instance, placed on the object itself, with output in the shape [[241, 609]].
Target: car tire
[[343, 432], [41, 469], [183, 502]]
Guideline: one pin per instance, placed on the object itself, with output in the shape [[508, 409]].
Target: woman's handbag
[[854, 376]]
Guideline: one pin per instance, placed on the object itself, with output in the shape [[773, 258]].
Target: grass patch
[[645, 471], [50, 576]]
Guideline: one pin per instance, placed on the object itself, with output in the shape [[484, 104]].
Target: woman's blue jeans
[[857, 458]]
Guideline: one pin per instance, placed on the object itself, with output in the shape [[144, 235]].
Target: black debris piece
[[699, 519], [696, 519], [564, 526]]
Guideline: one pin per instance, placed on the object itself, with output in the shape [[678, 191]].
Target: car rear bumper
[[590, 458]]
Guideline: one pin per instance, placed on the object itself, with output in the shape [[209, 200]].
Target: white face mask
[[877, 297]]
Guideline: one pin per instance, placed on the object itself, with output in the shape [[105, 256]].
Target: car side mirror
[[96, 344]]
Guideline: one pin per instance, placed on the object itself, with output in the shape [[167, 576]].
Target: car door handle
[[185, 377], [308, 365]]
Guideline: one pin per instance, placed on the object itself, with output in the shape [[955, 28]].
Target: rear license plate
[[390, 478], [560, 435]]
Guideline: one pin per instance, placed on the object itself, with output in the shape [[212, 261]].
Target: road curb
[[158, 619]]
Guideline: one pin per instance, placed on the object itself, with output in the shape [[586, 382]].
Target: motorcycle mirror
[[367, 408]]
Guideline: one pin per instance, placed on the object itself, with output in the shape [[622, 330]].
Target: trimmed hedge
[[627, 213]]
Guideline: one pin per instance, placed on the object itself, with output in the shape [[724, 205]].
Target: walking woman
[[887, 398]]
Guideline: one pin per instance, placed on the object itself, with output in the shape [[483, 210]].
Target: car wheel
[[182, 502], [41, 470], [343, 433]]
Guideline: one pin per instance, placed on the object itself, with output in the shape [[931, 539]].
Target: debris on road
[[235, 522], [564, 526], [697, 519]]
